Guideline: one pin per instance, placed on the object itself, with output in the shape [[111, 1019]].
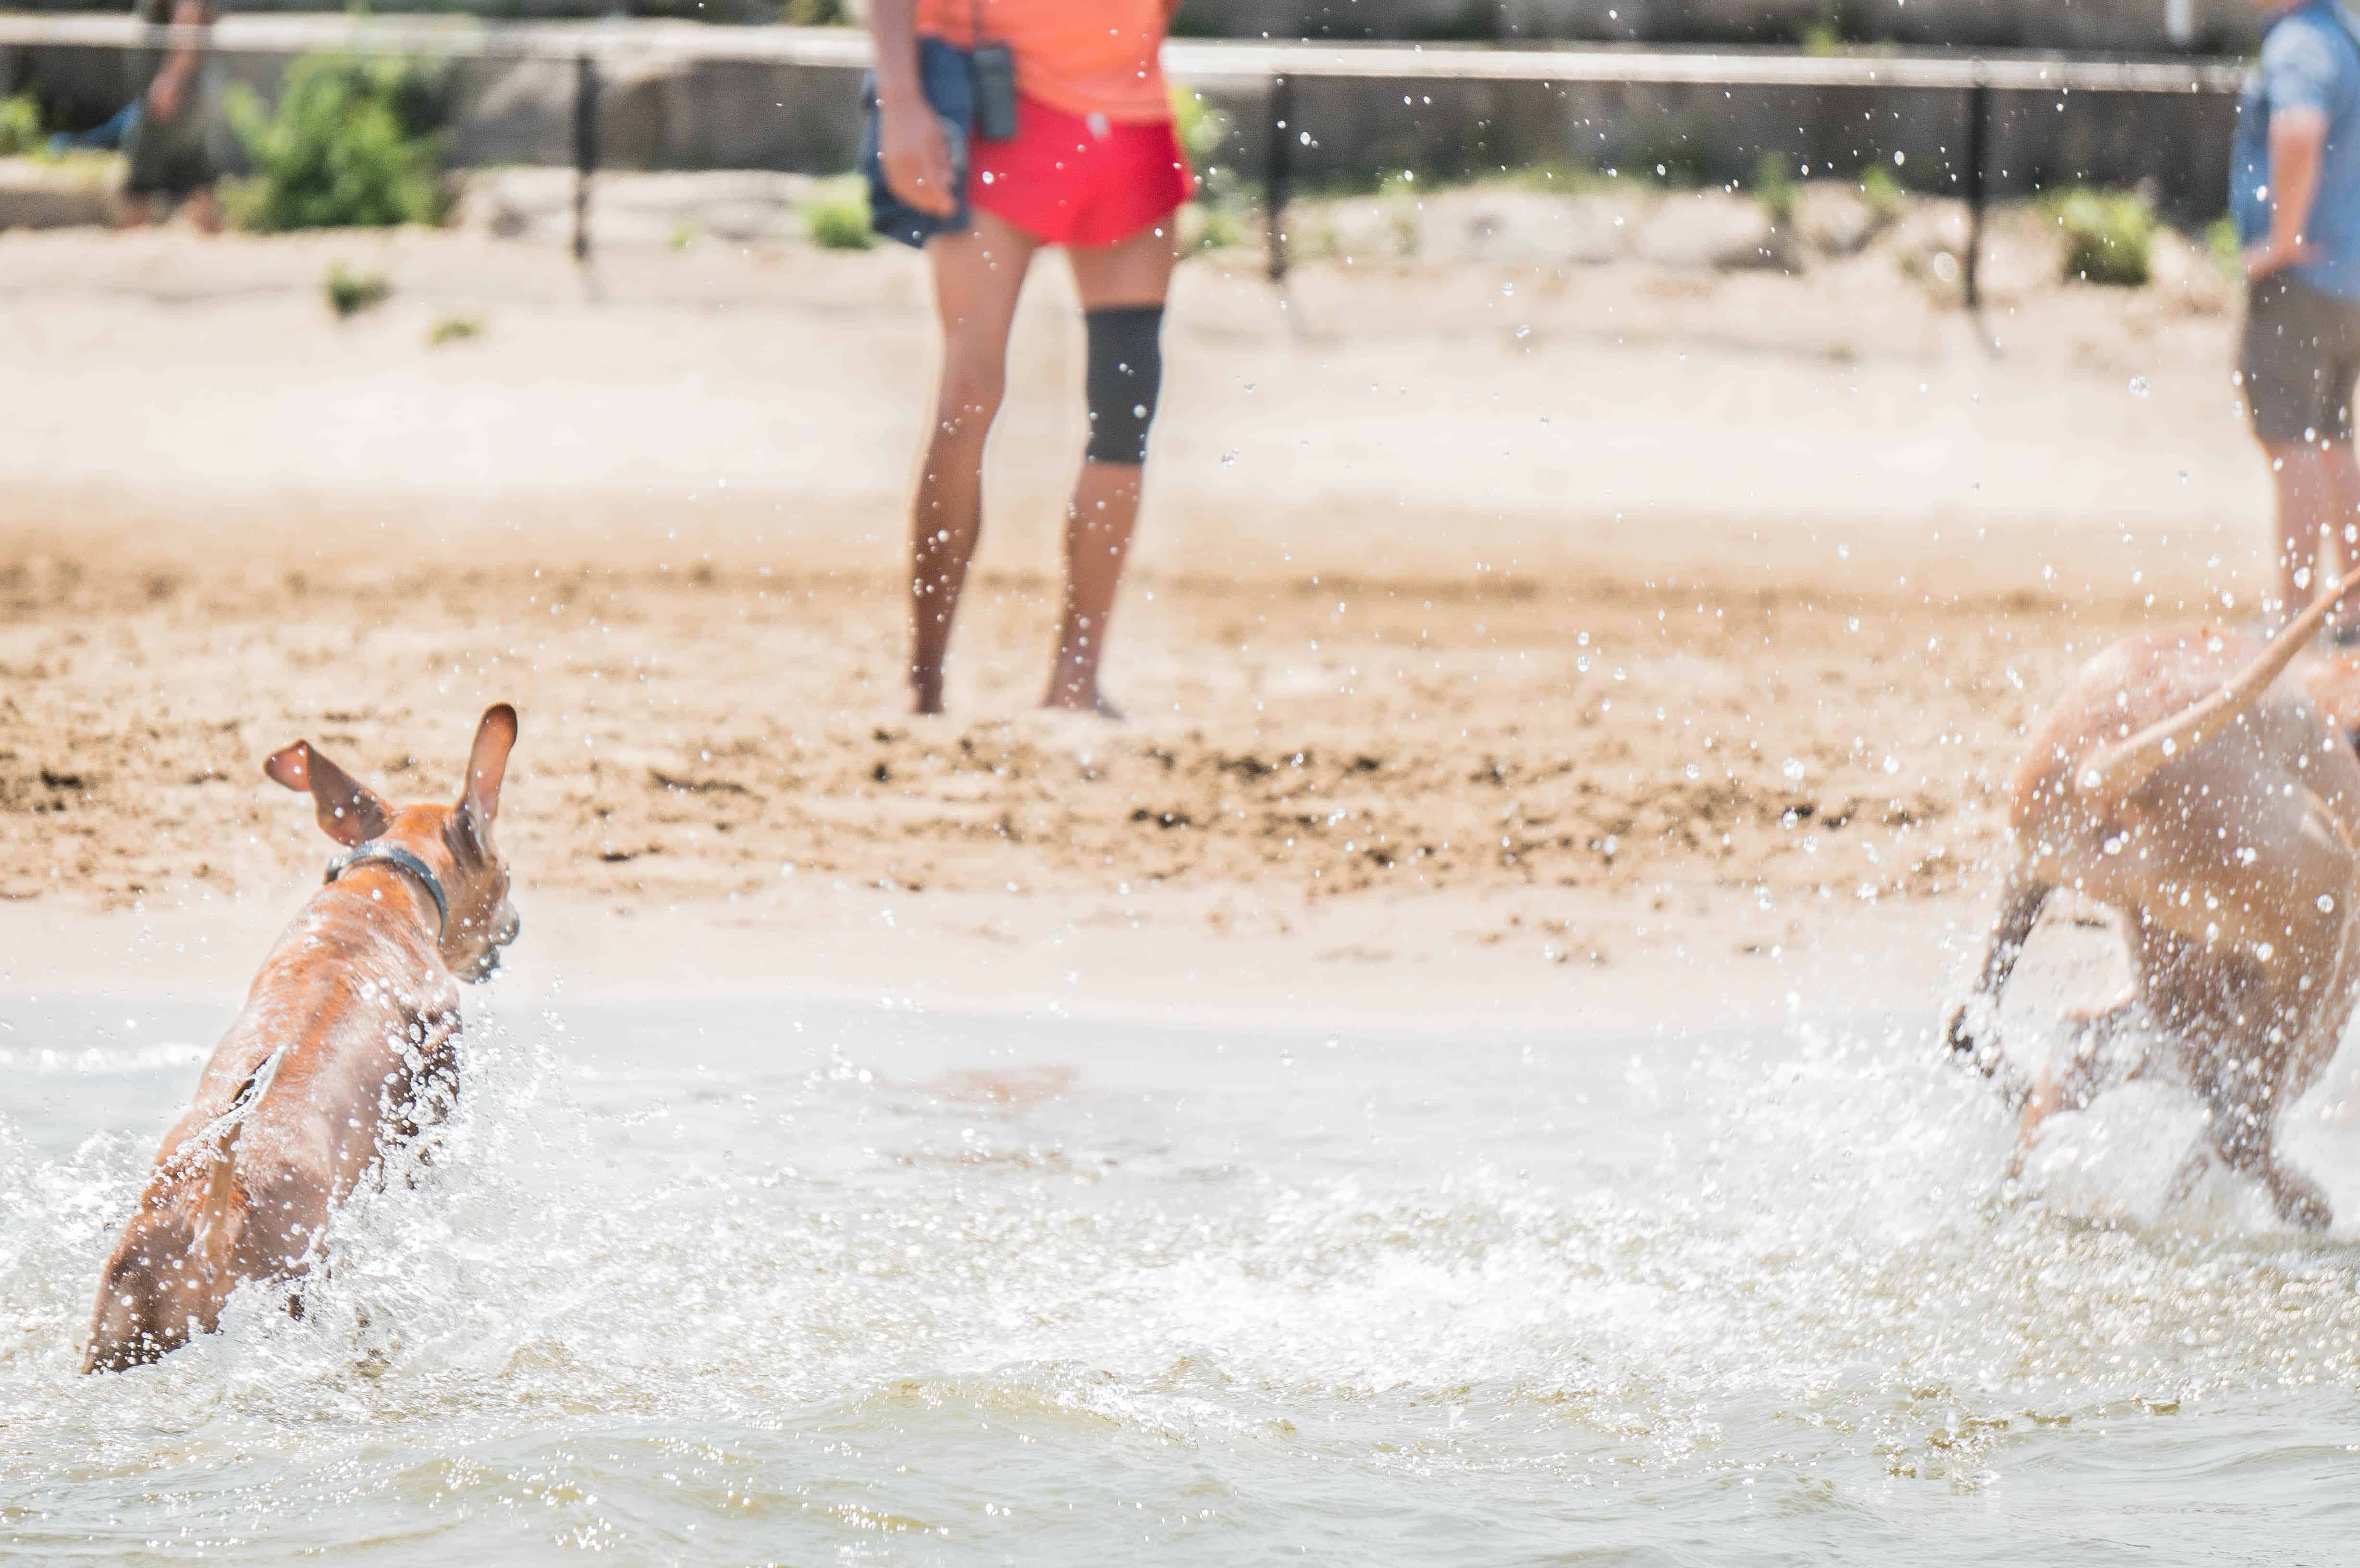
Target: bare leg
[[1105, 509], [1097, 537], [2344, 485], [978, 276], [2308, 520], [204, 210]]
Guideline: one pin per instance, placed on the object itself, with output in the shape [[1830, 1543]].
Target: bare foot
[[925, 694], [1067, 700]]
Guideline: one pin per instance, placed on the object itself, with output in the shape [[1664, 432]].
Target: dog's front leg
[[1971, 1028]]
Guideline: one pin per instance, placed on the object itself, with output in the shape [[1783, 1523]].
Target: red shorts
[[1072, 180]]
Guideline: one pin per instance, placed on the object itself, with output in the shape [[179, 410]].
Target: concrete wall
[[2210, 26], [2178, 146]]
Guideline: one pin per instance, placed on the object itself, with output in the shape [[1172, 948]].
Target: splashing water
[[736, 1282]]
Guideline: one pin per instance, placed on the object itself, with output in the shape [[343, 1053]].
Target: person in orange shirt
[[1094, 167]]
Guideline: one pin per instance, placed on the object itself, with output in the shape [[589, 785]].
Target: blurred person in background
[[177, 145], [2294, 177], [1093, 166]]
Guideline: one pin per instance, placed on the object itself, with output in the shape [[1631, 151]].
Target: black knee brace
[[1125, 372]]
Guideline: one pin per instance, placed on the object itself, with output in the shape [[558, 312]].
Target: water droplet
[[1507, 288], [1524, 332], [1230, 459], [2138, 385], [1793, 768]]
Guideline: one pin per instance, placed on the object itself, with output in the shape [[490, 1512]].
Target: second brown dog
[[2190, 784]]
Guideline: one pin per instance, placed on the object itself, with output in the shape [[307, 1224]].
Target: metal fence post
[[585, 149], [1278, 170], [1978, 136]]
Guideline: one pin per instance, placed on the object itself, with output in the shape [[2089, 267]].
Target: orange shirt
[[1086, 57]]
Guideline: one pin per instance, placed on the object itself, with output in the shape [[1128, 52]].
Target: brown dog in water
[[2211, 805], [347, 1043]]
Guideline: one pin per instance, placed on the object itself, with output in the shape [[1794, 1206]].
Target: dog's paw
[[2300, 1201], [1970, 1029]]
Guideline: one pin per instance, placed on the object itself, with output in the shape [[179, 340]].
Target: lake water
[[804, 1283]]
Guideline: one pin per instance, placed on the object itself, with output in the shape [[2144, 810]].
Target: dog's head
[[454, 841]]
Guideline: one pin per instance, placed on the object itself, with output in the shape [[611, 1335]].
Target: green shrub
[[1881, 191], [454, 329], [2221, 239], [836, 216], [354, 143], [1200, 127], [817, 14], [2108, 235], [20, 126], [1774, 188], [1220, 227], [350, 293]]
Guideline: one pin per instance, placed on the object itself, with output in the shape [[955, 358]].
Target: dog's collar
[[401, 859]]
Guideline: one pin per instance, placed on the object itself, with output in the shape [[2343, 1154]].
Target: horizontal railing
[[1210, 61]]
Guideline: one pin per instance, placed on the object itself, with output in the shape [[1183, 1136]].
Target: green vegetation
[[354, 143], [836, 216], [2108, 236], [1204, 131], [2221, 239], [1882, 193], [20, 125], [350, 293], [1821, 37], [1220, 227], [1774, 187], [817, 14], [454, 329], [1201, 127]]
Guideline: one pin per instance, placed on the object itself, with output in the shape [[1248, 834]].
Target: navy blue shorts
[[948, 78]]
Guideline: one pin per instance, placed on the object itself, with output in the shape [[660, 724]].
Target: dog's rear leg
[[2245, 1136], [2192, 1170], [1972, 1029]]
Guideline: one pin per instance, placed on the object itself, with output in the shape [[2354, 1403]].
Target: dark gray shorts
[[188, 152], [2298, 361]]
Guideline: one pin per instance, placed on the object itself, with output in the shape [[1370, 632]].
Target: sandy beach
[[1495, 631]]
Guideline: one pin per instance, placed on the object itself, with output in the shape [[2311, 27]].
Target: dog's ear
[[487, 764], [349, 810]]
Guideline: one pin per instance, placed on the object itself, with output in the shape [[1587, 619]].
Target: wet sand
[[1493, 634]]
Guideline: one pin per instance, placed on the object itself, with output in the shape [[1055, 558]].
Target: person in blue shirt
[[2294, 192]]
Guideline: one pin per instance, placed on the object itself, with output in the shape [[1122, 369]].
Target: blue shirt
[[2310, 59]]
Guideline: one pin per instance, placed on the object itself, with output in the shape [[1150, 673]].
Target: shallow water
[[789, 1283]]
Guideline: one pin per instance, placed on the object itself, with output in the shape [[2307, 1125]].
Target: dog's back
[[347, 1044]]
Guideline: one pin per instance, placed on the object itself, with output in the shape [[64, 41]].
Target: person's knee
[[971, 394], [1125, 375]]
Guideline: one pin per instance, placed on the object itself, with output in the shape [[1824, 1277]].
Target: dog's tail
[[217, 1220], [2121, 768], [1972, 1028]]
